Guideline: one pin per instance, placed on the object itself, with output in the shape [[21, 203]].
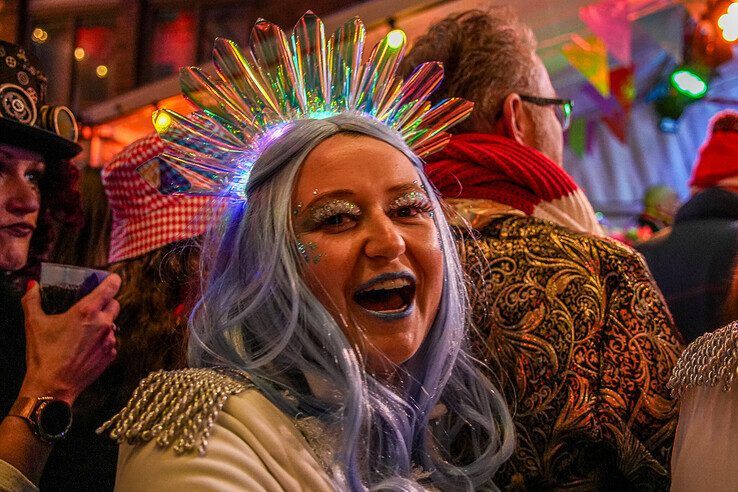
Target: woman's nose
[[384, 239], [23, 197]]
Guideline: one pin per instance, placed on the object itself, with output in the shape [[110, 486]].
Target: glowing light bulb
[[689, 83], [728, 23], [162, 121], [39, 35], [395, 38], [79, 54], [101, 71]]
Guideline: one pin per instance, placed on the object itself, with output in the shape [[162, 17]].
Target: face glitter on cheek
[[309, 252], [313, 249], [303, 250]]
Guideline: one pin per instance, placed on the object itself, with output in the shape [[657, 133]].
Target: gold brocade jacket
[[583, 345]]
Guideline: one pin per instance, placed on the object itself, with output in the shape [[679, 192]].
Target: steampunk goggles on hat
[[26, 120], [17, 104]]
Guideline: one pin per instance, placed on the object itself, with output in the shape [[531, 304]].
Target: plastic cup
[[63, 285]]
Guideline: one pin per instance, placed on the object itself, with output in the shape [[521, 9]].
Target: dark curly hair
[[157, 290]]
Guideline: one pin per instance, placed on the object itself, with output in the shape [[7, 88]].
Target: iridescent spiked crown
[[283, 78]]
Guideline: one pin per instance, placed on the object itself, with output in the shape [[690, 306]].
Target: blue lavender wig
[[258, 314]]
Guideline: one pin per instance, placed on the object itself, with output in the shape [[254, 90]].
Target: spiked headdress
[[279, 79]]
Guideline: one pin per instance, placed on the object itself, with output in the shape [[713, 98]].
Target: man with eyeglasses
[[571, 322]]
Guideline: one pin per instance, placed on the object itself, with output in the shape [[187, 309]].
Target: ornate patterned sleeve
[[582, 345], [641, 345]]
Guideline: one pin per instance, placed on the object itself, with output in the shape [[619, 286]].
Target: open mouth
[[387, 294]]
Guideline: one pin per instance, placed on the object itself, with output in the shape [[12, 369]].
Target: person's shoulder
[[177, 409], [711, 360], [210, 429], [517, 227], [532, 229]]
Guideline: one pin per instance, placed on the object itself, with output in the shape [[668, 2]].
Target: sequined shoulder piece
[[176, 408], [710, 360]]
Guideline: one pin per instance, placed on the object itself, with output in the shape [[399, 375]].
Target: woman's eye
[[334, 216], [407, 211], [34, 177], [338, 221], [410, 205], [412, 210], [334, 220]]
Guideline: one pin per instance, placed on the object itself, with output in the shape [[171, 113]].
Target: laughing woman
[[330, 342]]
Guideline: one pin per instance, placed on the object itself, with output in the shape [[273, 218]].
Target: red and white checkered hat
[[144, 219]]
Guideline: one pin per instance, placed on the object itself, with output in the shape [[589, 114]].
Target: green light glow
[[321, 115], [689, 83]]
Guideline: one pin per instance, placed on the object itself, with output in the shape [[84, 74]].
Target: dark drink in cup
[[63, 285]]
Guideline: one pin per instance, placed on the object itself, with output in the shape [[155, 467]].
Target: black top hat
[[25, 119]]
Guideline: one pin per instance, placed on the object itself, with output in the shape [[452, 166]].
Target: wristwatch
[[49, 418]]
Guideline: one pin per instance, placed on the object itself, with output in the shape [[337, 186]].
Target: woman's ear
[[515, 120]]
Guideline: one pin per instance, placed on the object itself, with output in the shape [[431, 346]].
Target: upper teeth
[[389, 284]]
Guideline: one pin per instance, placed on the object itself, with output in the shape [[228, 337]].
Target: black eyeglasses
[[562, 107]]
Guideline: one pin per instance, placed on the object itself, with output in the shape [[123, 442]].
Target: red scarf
[[491, 167]]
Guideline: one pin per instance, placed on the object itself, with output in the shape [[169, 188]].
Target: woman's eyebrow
[[400, 188], [329, 195]]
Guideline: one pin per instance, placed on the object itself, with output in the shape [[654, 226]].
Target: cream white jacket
[[252, 446], [705, 454]]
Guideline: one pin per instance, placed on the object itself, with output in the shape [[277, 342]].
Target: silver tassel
[[177, 408]]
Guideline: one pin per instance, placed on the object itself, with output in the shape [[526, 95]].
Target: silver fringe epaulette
[[177, 408], [709, 360]]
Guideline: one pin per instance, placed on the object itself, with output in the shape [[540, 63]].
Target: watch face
[[54, 419]]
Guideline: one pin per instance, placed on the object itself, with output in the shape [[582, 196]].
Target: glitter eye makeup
[[323, 212], [413, 199]]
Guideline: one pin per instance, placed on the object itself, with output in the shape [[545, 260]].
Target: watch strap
[[25, 406]]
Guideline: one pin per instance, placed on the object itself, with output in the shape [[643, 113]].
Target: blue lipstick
[[368, 296]]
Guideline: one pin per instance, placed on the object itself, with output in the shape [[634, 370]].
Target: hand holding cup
[[66, 352]]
